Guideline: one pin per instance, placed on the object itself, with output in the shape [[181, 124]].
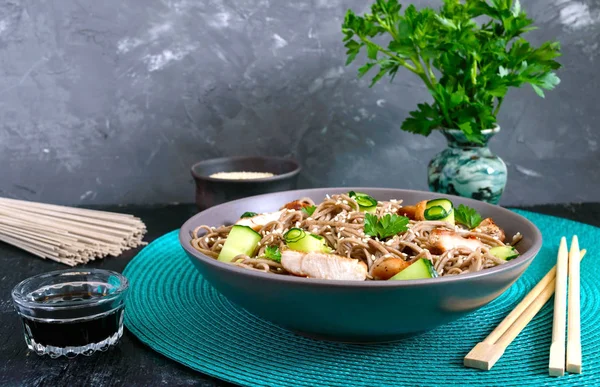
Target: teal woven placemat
[[176, 312]]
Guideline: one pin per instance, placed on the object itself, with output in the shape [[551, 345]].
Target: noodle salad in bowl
[[352, 236], [359, 264]]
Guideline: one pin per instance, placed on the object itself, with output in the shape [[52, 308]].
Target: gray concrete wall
[[112, 101]]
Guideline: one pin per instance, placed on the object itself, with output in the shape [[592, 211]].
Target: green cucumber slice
[[439, 209], [365, 202], [420, 269], [504, 252], [300, 240], [241, 240]]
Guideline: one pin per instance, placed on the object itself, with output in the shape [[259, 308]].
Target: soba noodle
[[340, 222]]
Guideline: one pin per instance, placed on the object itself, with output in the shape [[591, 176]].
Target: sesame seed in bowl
[[243, 175], [230, 178]]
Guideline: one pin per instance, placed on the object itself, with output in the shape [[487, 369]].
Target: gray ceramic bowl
[[211, 191], [370, 311]]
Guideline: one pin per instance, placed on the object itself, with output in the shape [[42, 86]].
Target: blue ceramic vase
[[468, 169]]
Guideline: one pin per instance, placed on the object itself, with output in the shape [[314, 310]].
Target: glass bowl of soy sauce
[[71, 312]]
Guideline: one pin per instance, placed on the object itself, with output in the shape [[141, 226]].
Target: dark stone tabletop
[[131, 362]]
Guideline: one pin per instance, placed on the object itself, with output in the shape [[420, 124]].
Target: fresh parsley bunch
[[476, 60]]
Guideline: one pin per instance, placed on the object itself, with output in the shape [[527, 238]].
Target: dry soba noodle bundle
[[68, 235], [354, 237]]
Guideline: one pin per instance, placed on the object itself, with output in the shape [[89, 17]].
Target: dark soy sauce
[[73, 334]]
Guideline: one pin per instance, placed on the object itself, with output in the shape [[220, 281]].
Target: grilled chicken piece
[[388, 268], [444, 240], [408, 211], [295, 205], [416, 212], [323, 266], [259, 221], [487, 226]]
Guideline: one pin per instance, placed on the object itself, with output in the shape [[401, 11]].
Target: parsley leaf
[[309, 210], [385, 226], [467, 216], [475, 46], [248, 214], [273, 253]]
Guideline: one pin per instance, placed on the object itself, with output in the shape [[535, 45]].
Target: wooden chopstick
[[556, 365], [486, 353], [574, 324]]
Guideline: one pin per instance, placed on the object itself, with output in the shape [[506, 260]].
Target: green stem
[[446, 115], [428, 83], [431, 74], [421, 73], [387, 27], [418, 67], [498, 106], [391, 55]]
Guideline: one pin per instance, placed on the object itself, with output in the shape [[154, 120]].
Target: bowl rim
[[523, 259], [283, 176], [20, 299]]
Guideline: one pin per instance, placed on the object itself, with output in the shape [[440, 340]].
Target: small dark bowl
[[355, 311], [211, 191]]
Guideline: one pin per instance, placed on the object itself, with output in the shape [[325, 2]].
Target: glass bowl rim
[[20, 299]]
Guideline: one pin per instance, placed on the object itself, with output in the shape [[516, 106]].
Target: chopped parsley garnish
[[385, 226], [248, 214], [467, 216], [273, 253], [309, 210]]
